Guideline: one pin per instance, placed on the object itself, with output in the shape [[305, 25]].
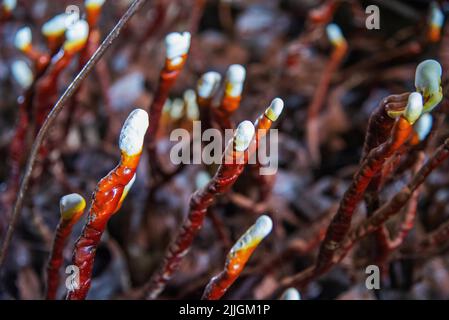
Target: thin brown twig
[[57, 108]]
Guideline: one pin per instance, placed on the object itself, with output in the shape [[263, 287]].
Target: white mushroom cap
[[291, 294], [235, 76], [414, 107], [208, 84], [275, 109], [423, 126], [177, 44], [133, 132], [76, 36], [243, 136], [22, 73], [23, 38], [56, 26]]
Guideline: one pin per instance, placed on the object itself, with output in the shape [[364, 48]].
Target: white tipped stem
[[436, 16], [133, 132], [23, 37], [254, 235], [177, 44], [414, 107], [428, 83], [208, 84], [262, 227], [56, 26], [334, 34], [235, 76], [275, 109], [9, 5], [22, 73], [93, 3], [291, 294], [243, 136], [70, 204], [76, 36], [423, 126]]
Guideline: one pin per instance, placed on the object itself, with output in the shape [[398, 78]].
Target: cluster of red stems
[[399, 126]]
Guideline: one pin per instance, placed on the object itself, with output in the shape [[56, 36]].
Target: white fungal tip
[[9, 5], [76, 36], [208, 84], [70, 204], [22, 73], [235, 76], [414, 107], [291, 294], [243, 136], [177, 109], [202, 179], [428, 83], [236, 73], [254, 235], [436, 16], [423, 126], [23, 38], [275, 109], [93, 3], [133, 132], [262, 227], [334, 34], [56, 26], [177, 44], [191, 105]]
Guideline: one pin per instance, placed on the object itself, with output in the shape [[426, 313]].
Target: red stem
[[104, 204]]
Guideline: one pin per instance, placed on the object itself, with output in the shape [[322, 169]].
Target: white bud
[[243, 136], [275, 109], [177, 44], [235, 76], [291, 294], [256, 233], [428, 82], [133, 132], [177, 109], [192, 107], [76, 36], [208, 84], [436, 16], [70, 204], [334, 34], [56, 26], [22, 73], [414, 107], [9, 5], [23, 38], [93, 3]]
